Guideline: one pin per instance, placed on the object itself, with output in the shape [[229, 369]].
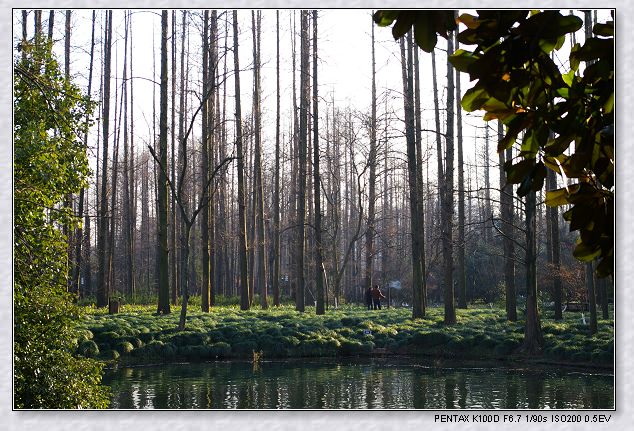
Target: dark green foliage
[[124, 347], [110, 355], [350, 321], [244, 348], [88, 349], [283, 332], [49, 163], [189, 339]]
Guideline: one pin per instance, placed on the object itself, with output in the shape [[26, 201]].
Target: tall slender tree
[[461, 272], [506, 229], [162, 187], [407, 68], [257, 167], [447, 205], [173, 238], [79, 234], [102, 236], [242, 220], [372, 160], [319, 260], [555, 246], [419, 178], [128, 196], [276, 188], [51, 23], [533, 338], [205, 288], [303, 145], [590, 279]]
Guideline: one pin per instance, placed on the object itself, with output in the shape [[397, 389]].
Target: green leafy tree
[[565, 112], [49, 163]]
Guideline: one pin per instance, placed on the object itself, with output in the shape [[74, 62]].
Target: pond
[[357, 384]]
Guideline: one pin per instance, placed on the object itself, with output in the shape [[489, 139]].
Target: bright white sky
[[344, 68]]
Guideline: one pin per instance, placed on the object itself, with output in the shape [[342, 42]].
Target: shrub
[[124, 347], [220, 349], [146, 337], [189, 339], [88, 349], [107, 336], [84, 335], [136, 342], [351, 348], [112, 355]]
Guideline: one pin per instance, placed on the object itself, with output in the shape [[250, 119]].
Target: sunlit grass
[[138, 334]]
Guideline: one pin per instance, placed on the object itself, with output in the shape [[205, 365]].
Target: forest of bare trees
[[221, 194]]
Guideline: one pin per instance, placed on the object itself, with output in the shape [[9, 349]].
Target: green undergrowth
[[136, 335]]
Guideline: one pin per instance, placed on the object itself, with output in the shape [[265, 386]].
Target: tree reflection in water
[[360, 384]]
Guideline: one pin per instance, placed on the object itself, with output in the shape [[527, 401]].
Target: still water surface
[[357, 384]]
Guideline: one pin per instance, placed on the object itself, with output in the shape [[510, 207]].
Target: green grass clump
[[88, 348], [124, 347], [348, 331], [110, 355]]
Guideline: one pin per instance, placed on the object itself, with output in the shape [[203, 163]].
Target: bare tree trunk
[[186, 236], [24, 31], [590, 284], [419, 178], [102, 238], [533, 338], [506, 228], [76, 282], [213, 127], [181, 269], [447, 206], [242, 222], [303, 145], [553, 215], [51, 23], [603, 289], [487, 188], [205, 290], [461, 273], [294, 148], [133, 179], [319, 260], [276, 188], [418, 310], [259, 195], [370, 232], [173, 238], [38, 22], [68, 198], [386, 214], [592, 298], [441, 172], [128, 225], [163, 218]]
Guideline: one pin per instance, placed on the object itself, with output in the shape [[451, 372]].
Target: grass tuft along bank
[[136, 335]]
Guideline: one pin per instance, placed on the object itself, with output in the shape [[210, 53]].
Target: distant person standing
[[376, 297], [368, 298]]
